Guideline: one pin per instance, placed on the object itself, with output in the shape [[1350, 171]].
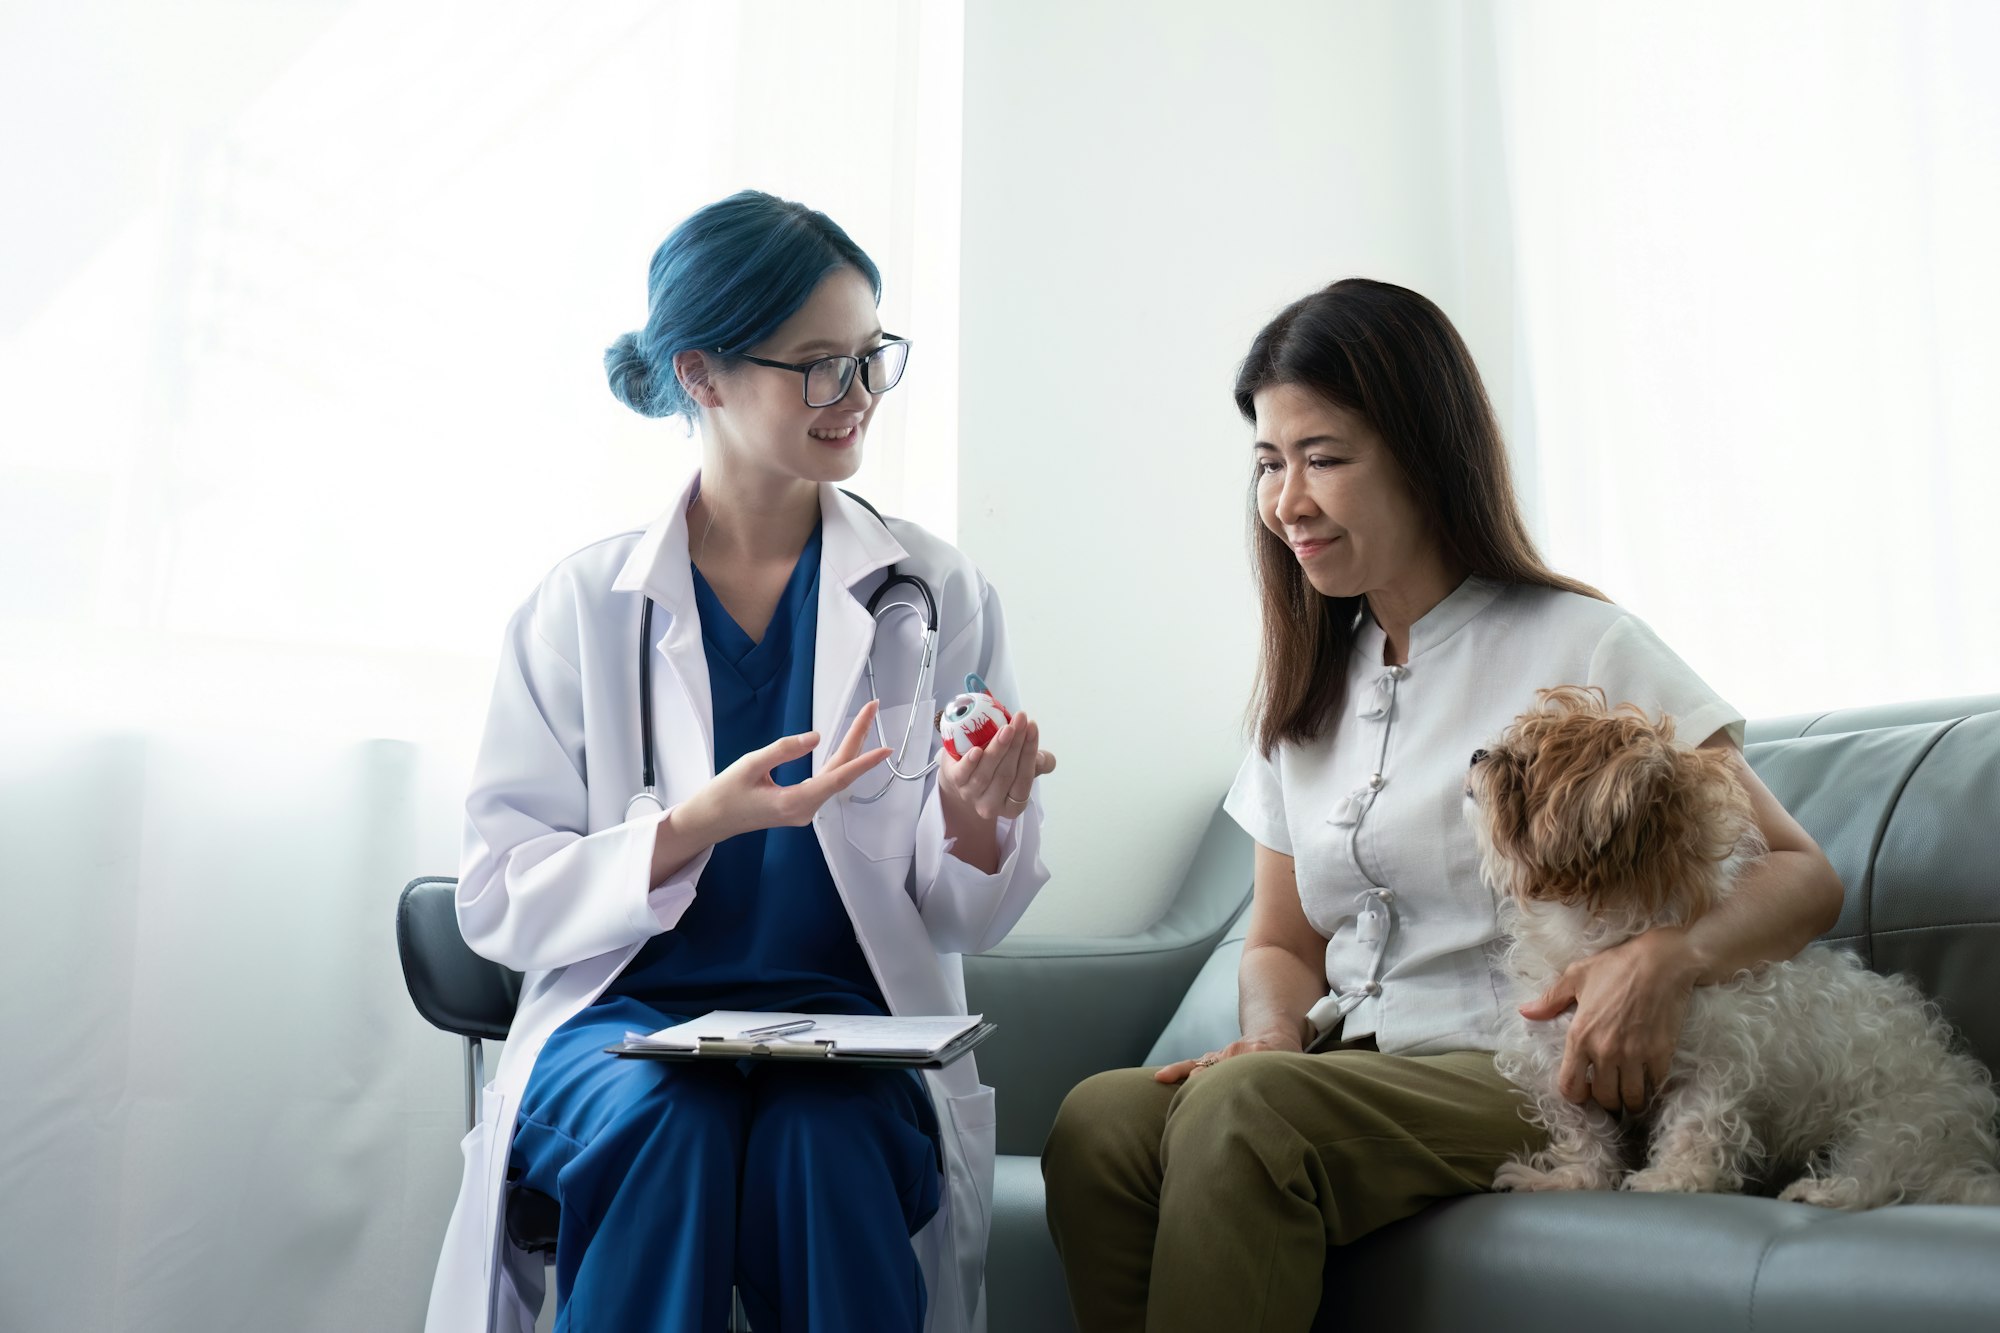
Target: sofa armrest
[[1071, 1006]]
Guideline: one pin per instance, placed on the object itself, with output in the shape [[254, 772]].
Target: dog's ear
[[1600, 779], [1704, 817], [1598, 808], [1648, 829], [1500, 783]]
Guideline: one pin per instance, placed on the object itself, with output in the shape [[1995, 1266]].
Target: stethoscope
[[646, 801]]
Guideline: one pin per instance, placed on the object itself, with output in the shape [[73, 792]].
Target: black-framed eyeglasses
[[828, 379]]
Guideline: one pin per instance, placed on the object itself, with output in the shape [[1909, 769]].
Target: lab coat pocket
[[465, 1272], [970, 1188], [486, 1147], [880, 809]]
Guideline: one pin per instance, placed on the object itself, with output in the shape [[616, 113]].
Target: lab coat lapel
[[853, 545], [659, 568]]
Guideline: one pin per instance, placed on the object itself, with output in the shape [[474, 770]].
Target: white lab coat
[[555, 880]]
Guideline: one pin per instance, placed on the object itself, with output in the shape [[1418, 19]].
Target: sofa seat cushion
[[1024, 1277], [1665, 1263], [1658, 1263]]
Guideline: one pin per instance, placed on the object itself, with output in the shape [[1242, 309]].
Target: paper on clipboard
[[848, 1034]]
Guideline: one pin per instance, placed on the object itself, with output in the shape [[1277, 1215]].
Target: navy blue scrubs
[[800, 1187]]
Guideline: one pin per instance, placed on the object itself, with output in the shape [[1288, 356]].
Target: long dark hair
[[1391, 356]]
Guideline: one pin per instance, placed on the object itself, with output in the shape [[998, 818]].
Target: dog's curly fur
[[1595, 825]]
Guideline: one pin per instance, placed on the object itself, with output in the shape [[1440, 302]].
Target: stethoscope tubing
[[648, 794]]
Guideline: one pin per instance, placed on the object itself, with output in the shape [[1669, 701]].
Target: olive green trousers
[[1210, 1204]]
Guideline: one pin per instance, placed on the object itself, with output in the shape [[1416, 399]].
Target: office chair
[[473, 998]]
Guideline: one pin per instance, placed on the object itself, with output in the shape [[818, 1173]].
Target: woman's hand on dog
[[1184, 1069], [1631, 1001]]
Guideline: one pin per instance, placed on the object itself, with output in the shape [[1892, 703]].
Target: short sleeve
[[1256, 801], [1634, 665]]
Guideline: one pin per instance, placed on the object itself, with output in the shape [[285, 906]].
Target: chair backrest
[[452, 987]]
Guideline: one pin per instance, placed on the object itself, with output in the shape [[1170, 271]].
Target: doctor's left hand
[[995, 780]]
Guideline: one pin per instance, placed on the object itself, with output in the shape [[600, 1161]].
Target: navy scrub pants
[[800, 1187]]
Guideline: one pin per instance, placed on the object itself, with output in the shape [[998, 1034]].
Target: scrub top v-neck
[[767, 929]]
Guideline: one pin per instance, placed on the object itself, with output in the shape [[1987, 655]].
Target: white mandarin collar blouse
[[1377, 801]]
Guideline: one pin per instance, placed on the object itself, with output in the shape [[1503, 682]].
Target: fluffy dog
[[1595, 825]]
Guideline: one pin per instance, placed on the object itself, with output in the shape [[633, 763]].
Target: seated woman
[[1406, 620], [727, 842]]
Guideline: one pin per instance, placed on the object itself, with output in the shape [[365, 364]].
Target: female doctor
[[797, 856]]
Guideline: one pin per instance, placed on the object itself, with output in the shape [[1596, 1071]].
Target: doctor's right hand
[[743, 797]]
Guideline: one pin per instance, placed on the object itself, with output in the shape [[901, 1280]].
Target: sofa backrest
[[1910, 817], [1869, 718], [1905, 800]]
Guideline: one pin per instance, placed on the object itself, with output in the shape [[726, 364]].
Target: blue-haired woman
[[785, 846]]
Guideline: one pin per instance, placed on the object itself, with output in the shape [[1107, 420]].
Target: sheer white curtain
[[1759, 314], [300, 391]]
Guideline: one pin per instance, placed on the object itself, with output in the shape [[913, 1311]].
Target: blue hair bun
[[631, 375], [726, 278]]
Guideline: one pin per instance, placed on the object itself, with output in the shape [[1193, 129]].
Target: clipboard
[[823, 1053]]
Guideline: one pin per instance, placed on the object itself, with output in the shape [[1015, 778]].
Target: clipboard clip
[[809, 1050]]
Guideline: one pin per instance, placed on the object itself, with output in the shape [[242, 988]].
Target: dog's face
[[1600, 810]]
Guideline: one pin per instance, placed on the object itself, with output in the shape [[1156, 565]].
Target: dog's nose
[[1478, 758]]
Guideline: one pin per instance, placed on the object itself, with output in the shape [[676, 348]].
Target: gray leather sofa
[[1906, 801]]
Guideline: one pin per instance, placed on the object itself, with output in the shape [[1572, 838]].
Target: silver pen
[[777, 1029]]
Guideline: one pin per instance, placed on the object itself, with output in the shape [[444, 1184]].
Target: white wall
[[1144, 186]]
